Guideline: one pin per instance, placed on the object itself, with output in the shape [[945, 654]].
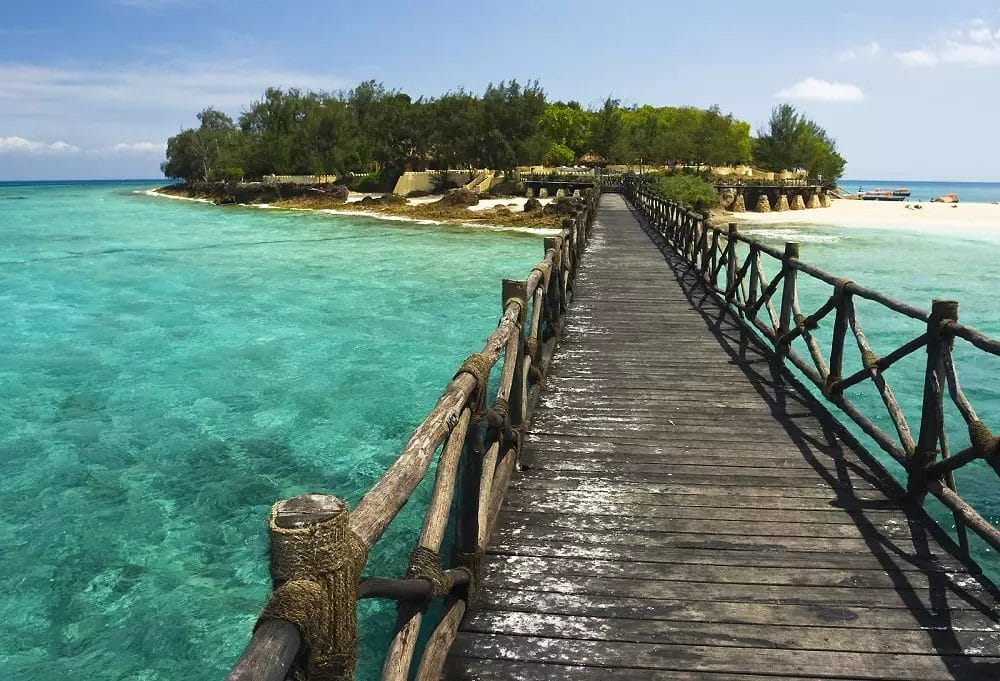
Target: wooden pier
[[689, 514], [649, 493]]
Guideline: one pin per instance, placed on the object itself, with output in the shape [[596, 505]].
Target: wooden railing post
[[554, 296], [731, 285], [517, 290], [467, 502], [316, 566], [934, 378], [787, 296], [705, 246]]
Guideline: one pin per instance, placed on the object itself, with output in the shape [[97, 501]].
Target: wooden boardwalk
[[687, 513]]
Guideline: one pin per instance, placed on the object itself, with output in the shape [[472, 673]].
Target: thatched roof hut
[[592, 160]]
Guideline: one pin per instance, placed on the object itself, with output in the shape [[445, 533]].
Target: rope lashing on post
[[478, 365], [473, 563], [804, 323], [544, 269], [517, 300], [829, 385], [840, 288], [318, 569], [496, 415], [533, 350], [983, 441], [498, 418], [426, 564], [869, 359]]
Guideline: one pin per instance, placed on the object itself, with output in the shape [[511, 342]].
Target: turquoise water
[[169, 370], [914, 268], [968, 192]]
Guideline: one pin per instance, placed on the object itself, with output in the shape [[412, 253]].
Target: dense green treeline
[[372, 129]]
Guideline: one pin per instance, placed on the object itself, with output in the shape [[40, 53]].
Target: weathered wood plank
[[683, 610], [770, 635], [812, 663]]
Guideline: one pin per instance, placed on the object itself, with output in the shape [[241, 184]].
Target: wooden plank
[[813, 663], [473, 669], [770, 635], [961, 583], [707, 507], [683, 610], [751, 524], [888, 561], [527, 579]]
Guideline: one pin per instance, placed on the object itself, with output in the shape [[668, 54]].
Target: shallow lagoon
[[170, 370]]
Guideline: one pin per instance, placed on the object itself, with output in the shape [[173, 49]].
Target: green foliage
[[793, 142], [687, 190], [559, 155], [566, 125], [375, 130]]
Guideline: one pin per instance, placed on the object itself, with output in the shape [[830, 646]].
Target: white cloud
[[866, 52], [20, 145], [917, 58], [816, 90], [975, 45], [136, 148], [184, 87]]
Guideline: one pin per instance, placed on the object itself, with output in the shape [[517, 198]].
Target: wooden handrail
[[479, 441], [925, 459]]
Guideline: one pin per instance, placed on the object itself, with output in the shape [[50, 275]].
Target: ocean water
[[171, 369], [968, 192], [914, 268]]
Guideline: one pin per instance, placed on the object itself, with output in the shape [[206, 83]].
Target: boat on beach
[[878, 194]]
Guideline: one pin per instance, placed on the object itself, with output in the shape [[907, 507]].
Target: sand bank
[[514, 204], [932, 217]]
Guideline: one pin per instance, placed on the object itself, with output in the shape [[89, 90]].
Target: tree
[[793, 142], [606, 127], [566, 125], [203, 153], [510, 115]]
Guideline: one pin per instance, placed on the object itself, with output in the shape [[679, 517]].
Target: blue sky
[[911, 90]]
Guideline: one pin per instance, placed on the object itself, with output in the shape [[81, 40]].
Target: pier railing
[[319, 547], [770, 308]]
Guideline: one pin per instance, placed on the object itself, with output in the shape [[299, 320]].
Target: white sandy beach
[[933, 217]]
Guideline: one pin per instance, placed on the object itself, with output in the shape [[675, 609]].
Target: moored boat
[[883, 194], [946, 198]]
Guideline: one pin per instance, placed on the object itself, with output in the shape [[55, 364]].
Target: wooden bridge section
[[688, 512], [629, 483]]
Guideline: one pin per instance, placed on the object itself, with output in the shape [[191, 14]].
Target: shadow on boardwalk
[[789, 400]]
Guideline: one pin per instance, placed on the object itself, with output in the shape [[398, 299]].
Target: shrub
[[687, 190], [559, 155]]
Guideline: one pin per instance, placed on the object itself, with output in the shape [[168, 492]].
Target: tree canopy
[[793, 142], [371, 128]]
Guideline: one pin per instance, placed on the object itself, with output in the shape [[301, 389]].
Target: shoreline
[[964, 218], [543, 224]]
